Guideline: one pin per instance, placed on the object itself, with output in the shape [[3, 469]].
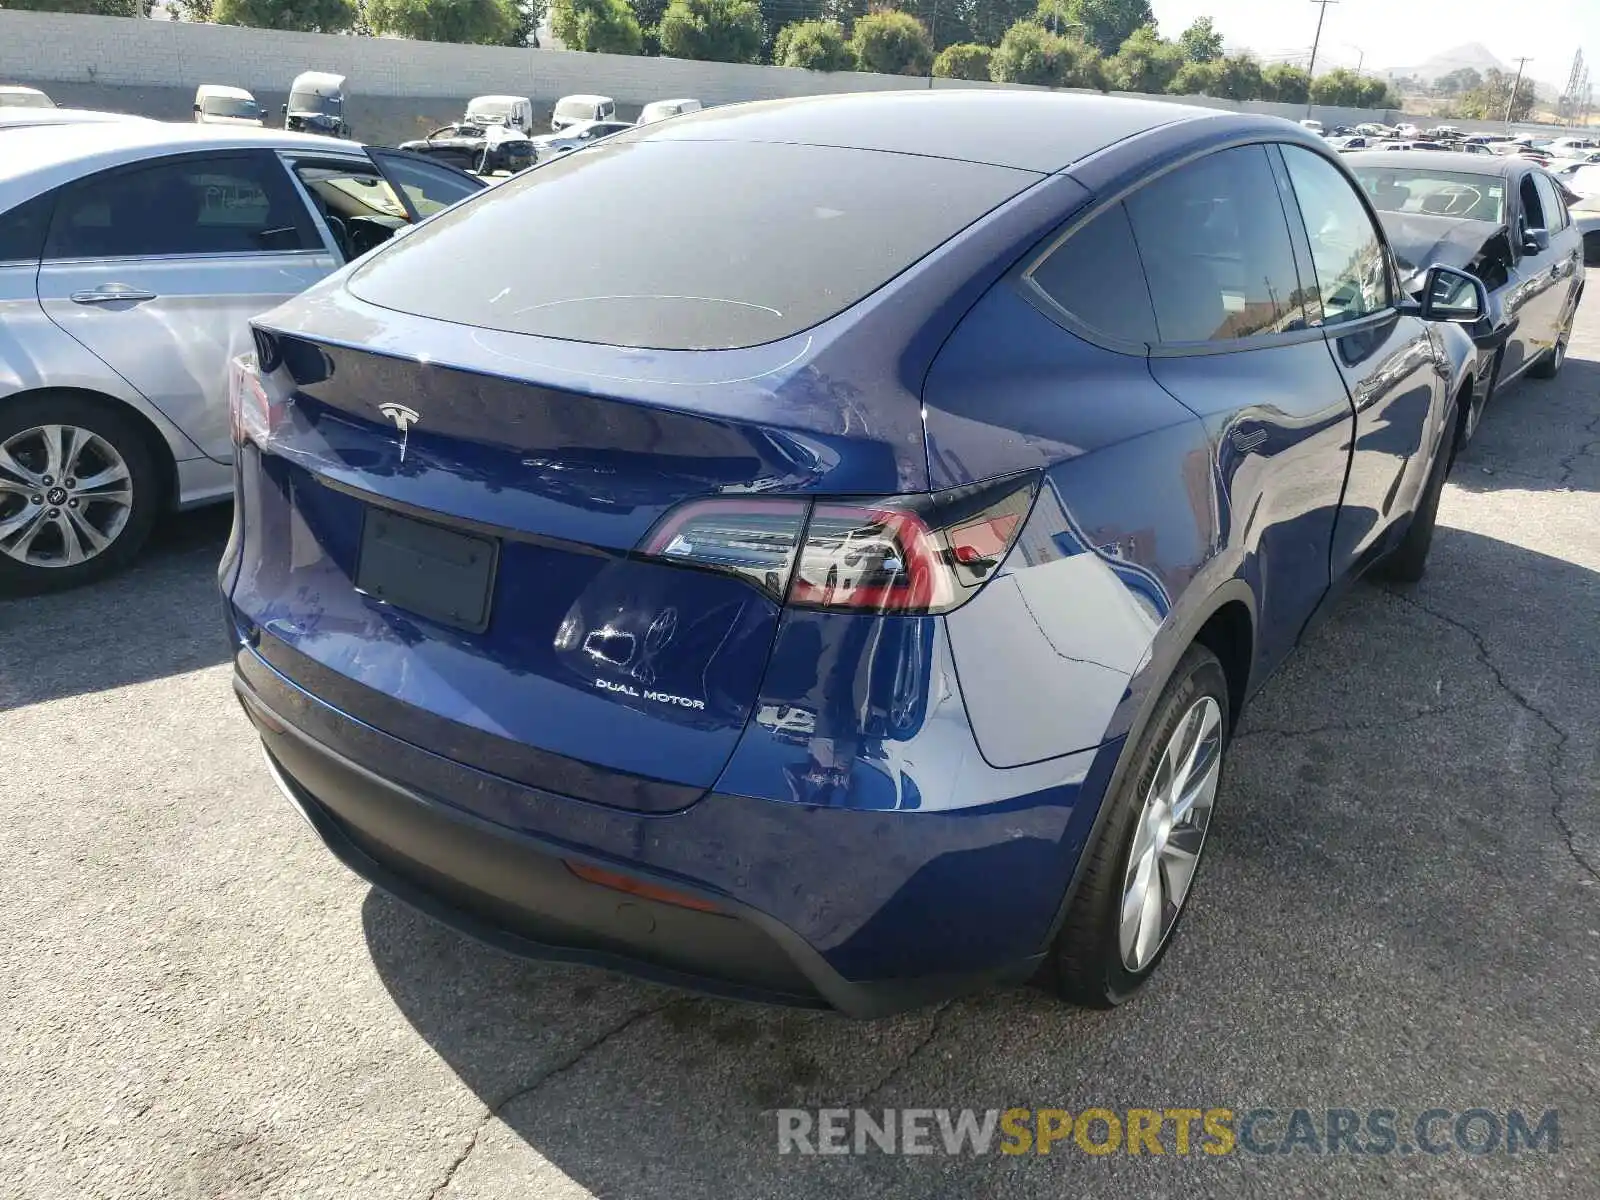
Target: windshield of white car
[[229, 106], [312, 102], [583, 109], [25, 100], [1435, 193]]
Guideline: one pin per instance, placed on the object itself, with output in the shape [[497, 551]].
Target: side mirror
[[197, 107], [1452, 295], [1535, 241], [285, 109]]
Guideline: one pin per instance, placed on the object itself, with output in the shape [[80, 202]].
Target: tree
[[1462, 79], [301, 16], [1106, 24], [1376, 93], [1489, 100], [775, 15], [892, 43], [813, 45], [1197, 79], [712, 30], [1030, 53], [600, 26], [528, 14], [964, 60], [1340, 86], [1146, 62], [477, 22], [1201, 42], [1286, 83], [981, 21], [1240, 78]]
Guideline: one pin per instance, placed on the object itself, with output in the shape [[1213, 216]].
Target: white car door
[[158, 268]]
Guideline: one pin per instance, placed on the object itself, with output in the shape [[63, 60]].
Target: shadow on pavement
[[1387, 841], [161, 617]]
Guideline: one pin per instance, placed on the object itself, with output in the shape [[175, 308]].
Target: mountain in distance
[[1481, 59]]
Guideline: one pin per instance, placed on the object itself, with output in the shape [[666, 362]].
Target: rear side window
[[683, 245], [1096, 277], [235, 204], [1215, 246], [22, 230]]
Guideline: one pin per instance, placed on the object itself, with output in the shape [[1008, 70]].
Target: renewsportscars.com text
[[1176, 1132]]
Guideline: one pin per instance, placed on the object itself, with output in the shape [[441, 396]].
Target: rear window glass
[[683, 245]]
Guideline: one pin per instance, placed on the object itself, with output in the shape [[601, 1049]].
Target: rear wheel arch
[[154, 441]]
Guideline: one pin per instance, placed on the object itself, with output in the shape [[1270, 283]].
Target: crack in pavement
[[1421, 714], [1569, 463], [935, 1027], [1558, 748], [494, 1110]]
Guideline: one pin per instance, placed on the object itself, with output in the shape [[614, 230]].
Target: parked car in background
[[219, 104], [24, 118], [576, 137], [1352, 141], [514, 112], [317, 105], [1313, 126], [579, 109], [14, 95], [1586, 219], [132, 255], [1503, 221], [1406, 131], [483, 145], [1572, 148], [660, 670], [1582, 179], [660, 110]]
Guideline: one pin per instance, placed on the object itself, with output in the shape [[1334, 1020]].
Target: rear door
[[158, 268], [1238, 347], [1390, 363], [1566, 249]]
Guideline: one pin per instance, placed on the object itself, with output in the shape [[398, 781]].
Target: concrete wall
[[399, 88]]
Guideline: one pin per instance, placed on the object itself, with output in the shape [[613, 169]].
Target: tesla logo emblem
[[404, 418]]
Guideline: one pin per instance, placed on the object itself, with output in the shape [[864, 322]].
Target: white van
[[570, 110], [516, 112], [219, 104], [660, 110]]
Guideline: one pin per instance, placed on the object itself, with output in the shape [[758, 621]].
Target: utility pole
[[1515, 88], [1311, 71], [1567, 106]]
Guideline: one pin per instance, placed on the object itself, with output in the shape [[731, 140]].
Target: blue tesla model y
[[818, 550]]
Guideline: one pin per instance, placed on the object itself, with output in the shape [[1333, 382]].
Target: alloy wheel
[[1169, 834], [65, 495]]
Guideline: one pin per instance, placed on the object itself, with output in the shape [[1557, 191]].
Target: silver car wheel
[[65, 495], [1169, 834]]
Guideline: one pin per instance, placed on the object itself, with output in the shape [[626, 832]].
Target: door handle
[[109, 293]]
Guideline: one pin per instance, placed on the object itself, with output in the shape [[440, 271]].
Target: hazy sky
[[1404, 32]]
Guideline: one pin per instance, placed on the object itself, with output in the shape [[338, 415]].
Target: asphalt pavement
[[1400, 910]]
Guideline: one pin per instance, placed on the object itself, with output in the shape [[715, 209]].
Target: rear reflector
[[910, 554], [637, 887]]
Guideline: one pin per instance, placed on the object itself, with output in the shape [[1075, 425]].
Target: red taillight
[[255, 409], [915, 554], [638, 887]]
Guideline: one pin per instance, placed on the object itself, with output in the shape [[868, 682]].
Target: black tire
[[121, 431], [1408, 562], [1549, 364], [1086, 966]]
